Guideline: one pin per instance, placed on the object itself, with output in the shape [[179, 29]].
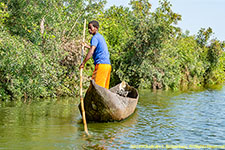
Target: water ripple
[[161, 118]]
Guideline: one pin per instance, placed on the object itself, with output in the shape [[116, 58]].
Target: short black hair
[[94, 23]]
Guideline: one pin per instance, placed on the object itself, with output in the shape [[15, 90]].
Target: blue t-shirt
[[101, 53]]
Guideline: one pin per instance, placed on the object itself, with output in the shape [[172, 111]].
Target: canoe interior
[[132, 92]]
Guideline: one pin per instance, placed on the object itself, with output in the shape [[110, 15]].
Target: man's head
[[93, 27]]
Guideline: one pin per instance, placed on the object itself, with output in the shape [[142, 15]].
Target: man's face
[[91, 29]]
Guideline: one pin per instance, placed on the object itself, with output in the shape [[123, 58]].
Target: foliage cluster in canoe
[[40, 48]]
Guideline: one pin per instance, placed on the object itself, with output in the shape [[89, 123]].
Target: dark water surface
[[162, 118]]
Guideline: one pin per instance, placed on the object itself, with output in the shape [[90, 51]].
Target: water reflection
[[105, 134], [40, 125], [161, 118]]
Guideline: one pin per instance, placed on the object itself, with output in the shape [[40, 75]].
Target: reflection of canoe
[[104, 105]]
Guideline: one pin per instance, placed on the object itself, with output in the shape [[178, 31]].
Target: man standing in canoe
[[99, 50]]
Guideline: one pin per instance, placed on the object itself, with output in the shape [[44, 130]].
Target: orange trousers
[[101, 75]]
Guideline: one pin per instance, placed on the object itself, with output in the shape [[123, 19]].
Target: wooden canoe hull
[[103, 105]]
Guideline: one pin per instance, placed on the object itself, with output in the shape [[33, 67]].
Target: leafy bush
[[160, 56], [40, 47], [3, 13], [24, 69], [215, 74], [142, 64]]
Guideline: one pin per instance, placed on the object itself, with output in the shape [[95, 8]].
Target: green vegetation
[[40, 50]]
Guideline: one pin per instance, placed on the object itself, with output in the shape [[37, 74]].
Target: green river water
[[163, 119]]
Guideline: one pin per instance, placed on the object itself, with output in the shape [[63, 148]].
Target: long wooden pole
[[81, 80]]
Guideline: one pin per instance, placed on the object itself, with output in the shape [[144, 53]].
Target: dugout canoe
[[103, 105]]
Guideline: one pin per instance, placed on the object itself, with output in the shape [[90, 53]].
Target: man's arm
[[88, 56]]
